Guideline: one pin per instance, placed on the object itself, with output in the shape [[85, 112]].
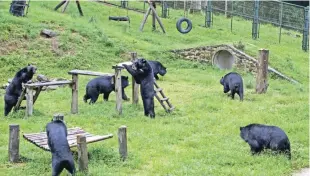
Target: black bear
[[103, 85], [15, 88], [233, 82], [158, 68], [142, 71], [260, 136], [56, 132]]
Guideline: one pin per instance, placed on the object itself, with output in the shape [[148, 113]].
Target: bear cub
[[143, 74], [103, 85], [14, 90], [233, 82], [260, 136], [62, 158], [158, 68]]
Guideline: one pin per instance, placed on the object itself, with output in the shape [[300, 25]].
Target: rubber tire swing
[[188, 28]]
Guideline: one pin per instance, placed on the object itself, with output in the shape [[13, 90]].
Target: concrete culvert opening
[[223, 59]]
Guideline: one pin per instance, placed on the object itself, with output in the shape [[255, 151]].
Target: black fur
[[61, 154], [142, 71], [14, 90], [233, 82], [158, 68], [103, 85], [260, 136]]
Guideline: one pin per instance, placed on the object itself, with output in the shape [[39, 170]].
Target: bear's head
[[27, 73], [141, 65], [162, 70], [244, 133], [31, 69], [125, 82]]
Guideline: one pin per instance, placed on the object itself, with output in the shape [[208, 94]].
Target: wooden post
[[66, 5], [79, 7], [75, 94], [145, 18], [58, 117], [262, 71], [29, 104], [36, 95], [135, 86], [153, 19], [157, 18], [118, 89], [122, 141], [14, 143], [82, 153], [59, 5]]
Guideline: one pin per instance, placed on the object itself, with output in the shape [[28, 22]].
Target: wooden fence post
[[262, 71], [75, 94], [58, 117], [14, 143], [118, 89], [29, 100], [82, 153], [135, 86], [122, 141], [153, 18]]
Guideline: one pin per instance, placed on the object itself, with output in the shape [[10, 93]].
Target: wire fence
[[275, 12]]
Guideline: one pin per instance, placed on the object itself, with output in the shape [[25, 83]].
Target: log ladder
[[163, 99]]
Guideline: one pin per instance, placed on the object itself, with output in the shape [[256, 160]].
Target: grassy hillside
[[201, 137]]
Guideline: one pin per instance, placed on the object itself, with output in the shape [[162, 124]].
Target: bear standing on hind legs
[[14, 90], [62, 158], [142, 71]]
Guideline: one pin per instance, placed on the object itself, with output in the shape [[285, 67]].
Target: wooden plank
[[82, 153], [145, 18], [121, 64], [70, 131], [33, 85], [161, 102], [135, 86], [14, 143], [75, 94], [158, 19], [89, 73], [162, 94], [66, 5], [118, 89], [122, 141], [20, 99], [29, 100], [79, 7], [59, 5], [153, 19], [262, 72]]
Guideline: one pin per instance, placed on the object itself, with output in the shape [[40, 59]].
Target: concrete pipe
[[223, 59]]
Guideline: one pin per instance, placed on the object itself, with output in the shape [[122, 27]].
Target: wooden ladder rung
[[164, 99], [172, 108], [158, 90]]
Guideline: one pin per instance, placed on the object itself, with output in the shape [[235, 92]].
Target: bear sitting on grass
[[14, 90], [143, 74], [260, 136]]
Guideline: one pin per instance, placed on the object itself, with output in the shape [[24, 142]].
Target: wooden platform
[[40, 139]]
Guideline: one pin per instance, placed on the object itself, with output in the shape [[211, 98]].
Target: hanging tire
[[188, 28]]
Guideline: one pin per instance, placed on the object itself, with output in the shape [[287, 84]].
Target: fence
[[278, 13]]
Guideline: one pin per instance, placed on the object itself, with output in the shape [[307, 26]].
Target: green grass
[[201, 137]]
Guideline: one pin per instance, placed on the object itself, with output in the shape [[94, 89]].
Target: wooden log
[[135, 86], [119, 18], [118, 89], [66, 5], [145, 18], [14, 143], [79, 7], [262, 71], [29, 100], [122, 141], [59, 5], [75, 94], [153, 19], [58, 116], [89, 73], [53, 83], [20, 99], [158, 19], [82, 153]]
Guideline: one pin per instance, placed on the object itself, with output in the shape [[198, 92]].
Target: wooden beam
[[118, 89], [157, 17], [89, 73], [14, 143], [29, 100], [79, 7], [122, 141], [75, 94], [36, 95], [135, 86], [262, 71], [59, 5], [20, 99], [145, 18], [33, 85], [66, 5]]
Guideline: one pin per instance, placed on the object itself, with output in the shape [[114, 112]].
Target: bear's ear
[[143, 60], [29, 64], [126, 77], [241, 128]]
